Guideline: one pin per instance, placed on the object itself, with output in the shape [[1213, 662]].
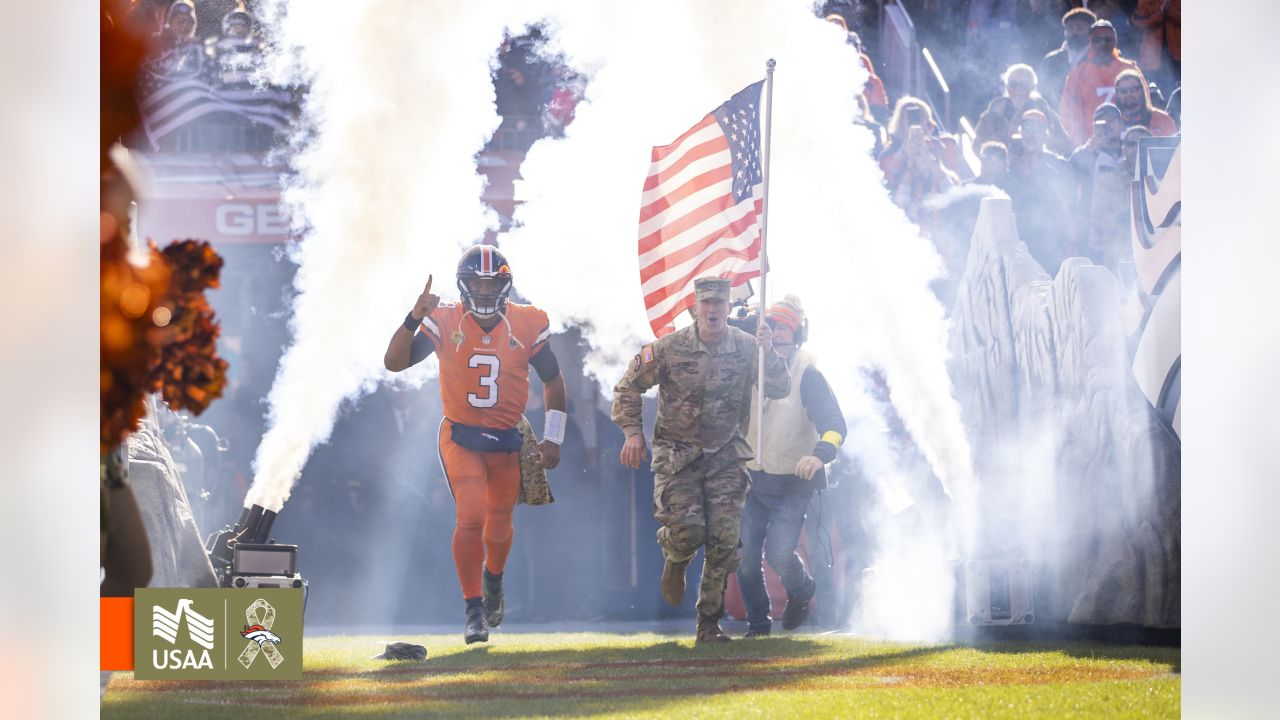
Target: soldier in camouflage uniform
[[705, 375]]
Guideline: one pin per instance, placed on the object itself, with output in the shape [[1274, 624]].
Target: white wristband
[[553, 428]]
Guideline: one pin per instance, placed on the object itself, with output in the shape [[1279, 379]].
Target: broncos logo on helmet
[[484, 281]]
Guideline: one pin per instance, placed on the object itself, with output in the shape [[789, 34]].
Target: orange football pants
[[485, 489]]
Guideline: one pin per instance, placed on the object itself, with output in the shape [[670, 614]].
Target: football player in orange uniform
[[485, 345]]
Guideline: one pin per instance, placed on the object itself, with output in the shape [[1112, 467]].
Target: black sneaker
[[477, 629], [495, 604], [758, 631], [797, 610]]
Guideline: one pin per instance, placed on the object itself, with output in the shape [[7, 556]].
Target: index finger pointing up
[[428, 290]]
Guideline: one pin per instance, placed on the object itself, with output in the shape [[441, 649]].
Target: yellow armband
[[832, 437]]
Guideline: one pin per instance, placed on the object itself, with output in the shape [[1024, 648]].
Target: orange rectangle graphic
[[115, 620]]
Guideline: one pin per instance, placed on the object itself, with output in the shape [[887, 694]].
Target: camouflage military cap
[[711, 288]]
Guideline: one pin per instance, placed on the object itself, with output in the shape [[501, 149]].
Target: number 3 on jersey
[[488, 381]]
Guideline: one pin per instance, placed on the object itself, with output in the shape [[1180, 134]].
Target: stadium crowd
[[1065, 89]]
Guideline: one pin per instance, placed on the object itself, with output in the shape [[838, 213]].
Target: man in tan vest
[[802, 434]]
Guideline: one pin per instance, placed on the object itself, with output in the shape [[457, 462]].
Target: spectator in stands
[[873, 92], [1095, 167], [236, 53], [1160, 56], [1108, 237], [1108, 126], [994, 157], [1134, 100], [1056, 65], [176, 55], [1003, 113], [1092, 82], [912, 161], [1034, 130], [179, 26], [237, 24], [1110, 10], [1040, 186], [914, 111]]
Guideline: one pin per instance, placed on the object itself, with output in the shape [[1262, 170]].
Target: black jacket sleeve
[[544, 361], [823, 410], [422, 348]]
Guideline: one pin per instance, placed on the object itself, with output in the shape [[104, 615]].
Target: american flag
[[182, 85], [700, 210]]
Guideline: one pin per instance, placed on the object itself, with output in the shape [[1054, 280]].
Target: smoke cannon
[[244, 555]]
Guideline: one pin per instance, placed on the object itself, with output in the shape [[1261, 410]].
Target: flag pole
[[764, 251]]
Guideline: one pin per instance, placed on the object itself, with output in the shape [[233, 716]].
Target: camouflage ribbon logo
[[258, 631]]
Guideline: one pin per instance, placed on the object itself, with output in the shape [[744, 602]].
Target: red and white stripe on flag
[[695, 220]]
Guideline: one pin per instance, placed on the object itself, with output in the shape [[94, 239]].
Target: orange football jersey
[[484, 376]]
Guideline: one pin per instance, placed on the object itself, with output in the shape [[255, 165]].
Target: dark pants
[[771, 525]]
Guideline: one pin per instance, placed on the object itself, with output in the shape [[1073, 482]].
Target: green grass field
[[660, 676]]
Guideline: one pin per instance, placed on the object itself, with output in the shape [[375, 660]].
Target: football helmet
[[484, 281]]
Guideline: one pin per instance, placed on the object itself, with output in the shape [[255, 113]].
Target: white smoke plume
[[386, 192], [961, 192], [835, 238]]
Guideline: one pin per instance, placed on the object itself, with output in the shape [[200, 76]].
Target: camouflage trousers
[[697, 507]]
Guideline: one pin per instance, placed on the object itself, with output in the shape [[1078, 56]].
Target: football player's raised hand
[[426, 302]]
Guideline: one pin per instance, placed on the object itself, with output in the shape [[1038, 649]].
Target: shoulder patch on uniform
[[646, 354]]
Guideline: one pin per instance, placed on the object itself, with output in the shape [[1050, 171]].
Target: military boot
[[495, 604], [673, 582], [477, 629], [709, 630]]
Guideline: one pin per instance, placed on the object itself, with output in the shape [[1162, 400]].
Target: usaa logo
[[167, 625]]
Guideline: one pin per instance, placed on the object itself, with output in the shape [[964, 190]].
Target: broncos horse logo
[[260, 635]]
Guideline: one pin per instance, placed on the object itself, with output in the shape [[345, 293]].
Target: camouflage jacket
[[704, 395]]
